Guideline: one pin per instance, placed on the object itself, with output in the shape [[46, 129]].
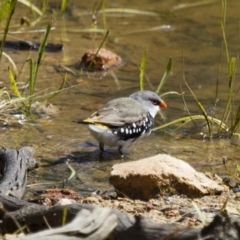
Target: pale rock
[[65, 201], [161, 175]]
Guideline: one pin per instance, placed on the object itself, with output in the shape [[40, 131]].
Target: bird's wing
[[118, 112]]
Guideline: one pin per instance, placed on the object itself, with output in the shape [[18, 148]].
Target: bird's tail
[[81, 122], [89, 121]]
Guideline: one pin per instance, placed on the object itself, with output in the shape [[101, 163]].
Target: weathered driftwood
[[99, 222], [87, 221], [14, 165], [94, 225], [128, 227], [12, 203]]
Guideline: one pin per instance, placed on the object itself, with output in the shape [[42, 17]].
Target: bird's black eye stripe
[[154, 101]]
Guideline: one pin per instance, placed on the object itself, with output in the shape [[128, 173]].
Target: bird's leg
[[101, 147], [101, 150], [120, 151]]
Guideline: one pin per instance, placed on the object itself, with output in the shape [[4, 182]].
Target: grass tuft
[[203, 111], [165, 75], [235, 175], [63, 6], [34, 67], [8, 8]]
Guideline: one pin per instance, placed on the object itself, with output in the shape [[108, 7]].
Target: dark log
[[222, 227], [24, 45]]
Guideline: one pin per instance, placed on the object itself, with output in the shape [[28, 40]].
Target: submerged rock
[[44, 109], [161, 174], [94, 60]]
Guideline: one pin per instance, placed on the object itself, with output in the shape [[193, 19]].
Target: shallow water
[[192, 34]]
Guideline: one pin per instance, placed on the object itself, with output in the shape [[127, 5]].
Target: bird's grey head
[[149, 100]]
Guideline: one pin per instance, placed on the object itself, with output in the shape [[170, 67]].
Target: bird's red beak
[[162, 104]]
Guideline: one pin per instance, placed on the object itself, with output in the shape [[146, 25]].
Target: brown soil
[[189, 212]]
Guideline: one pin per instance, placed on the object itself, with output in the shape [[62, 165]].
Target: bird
[[124, 120]]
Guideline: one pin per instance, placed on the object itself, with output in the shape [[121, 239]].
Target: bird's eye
[[154, 101]]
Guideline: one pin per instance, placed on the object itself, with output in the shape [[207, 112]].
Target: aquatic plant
[[22, 101], [8, 7], [142, 70]]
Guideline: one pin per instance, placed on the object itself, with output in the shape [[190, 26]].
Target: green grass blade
[[230, 173], [5, 9], [165, 75], [104, 39], [237, 121], [64, 218], [191, 118], [41, 49], [60, 88], [95, 10], [158, 28], [63, 6], [39, 59], [142, 70], [217, 83], [238, 169], [231, 72], [125, 11], [200, 213], [192, 4], [14, 67], [43, 5], [224, 206], [9, 7], [223, 20], [34, 67], [103, 7], [171, 93], [31, 76], [203, 111], [28, 99], [87, 30], [13, 83], [31, 6], [73, 172]]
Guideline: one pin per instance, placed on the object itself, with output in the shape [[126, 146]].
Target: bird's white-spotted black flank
[[135, 130]]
